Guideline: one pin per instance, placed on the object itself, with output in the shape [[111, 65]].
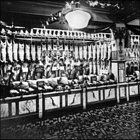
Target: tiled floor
[[115, 122]]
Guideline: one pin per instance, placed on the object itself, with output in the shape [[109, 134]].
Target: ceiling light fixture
[[76, 17]]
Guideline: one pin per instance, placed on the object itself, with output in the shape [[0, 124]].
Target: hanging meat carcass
[[49, 47], [98, 50], [44, 52], [54, 52], [85, 51], [27, 52], [33, 51], [21, 51], [61, 48], [31, 71], [7, 73], [44, 48], [89, 51], [10, 50], [109, 51], [94, 58], [100, 43], [76, 51], [102, 55], [24, 72], [15, 51], [3, 50], [16, 69], [38, 51], [102, 51], [66, 49], [98, 56], [105, 51], [81, 51]]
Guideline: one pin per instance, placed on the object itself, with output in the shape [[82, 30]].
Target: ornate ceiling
[[36, 13]]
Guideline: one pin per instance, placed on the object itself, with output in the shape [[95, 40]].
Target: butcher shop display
[[31, 65]]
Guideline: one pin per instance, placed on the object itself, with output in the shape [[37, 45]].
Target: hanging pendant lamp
[[78, 19]]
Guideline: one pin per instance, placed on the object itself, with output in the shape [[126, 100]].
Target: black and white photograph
[[70, 69]]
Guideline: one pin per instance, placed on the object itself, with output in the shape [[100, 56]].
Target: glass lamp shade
[[78, 19]]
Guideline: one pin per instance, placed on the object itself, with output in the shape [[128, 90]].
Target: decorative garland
[[102, 4]]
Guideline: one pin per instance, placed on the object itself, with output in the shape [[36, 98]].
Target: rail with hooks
[[61, 34]]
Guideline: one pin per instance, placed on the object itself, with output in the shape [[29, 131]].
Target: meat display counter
[[41, 103]]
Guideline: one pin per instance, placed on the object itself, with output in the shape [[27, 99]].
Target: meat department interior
[[45, 65]]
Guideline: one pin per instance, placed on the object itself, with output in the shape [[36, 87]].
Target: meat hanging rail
[[40, 34]]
